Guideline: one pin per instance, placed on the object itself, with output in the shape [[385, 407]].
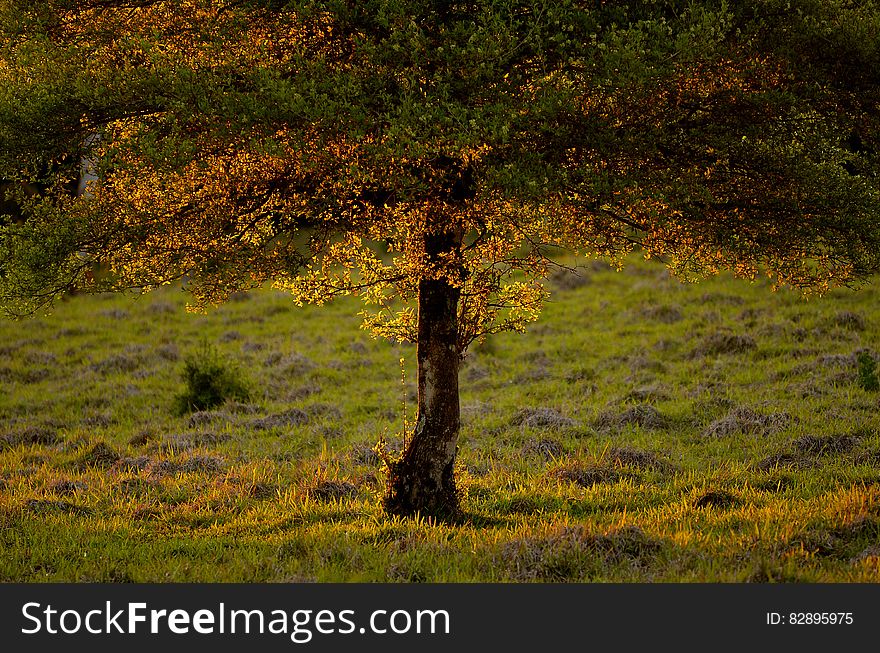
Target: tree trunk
[[422, 481]]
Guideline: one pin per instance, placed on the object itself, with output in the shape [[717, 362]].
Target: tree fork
[[422, 480]]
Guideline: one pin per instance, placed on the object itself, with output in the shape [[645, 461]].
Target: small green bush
[[868, 372], [211, 379]]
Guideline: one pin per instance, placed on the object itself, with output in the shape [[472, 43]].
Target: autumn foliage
[[337, 148]]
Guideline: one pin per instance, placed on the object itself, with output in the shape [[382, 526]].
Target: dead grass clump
[[98, 420], [294, 364], [585, 476], [743, 420], [364, 453], [775, 483], [231, 336], [194, 464], [241, 408], [262, 491], [872, 553], [141, 439], [848, 320], [137, 486], [114, 314], [168, 352], [716, 499], [721, 298], [327, 411], [161, 308], [720, 343], [570, 553], [67, 487], [570, 278], [100, 455], [844, 541], [476, 372], [542, 418], [636, 458], [642, 415], [205, 417], [286, 419], [663, 313], [543, 447], [331, 490], [133, 463], [816, 445], [647, 394], [48, 506], [41, 358], [187, 441], [30, 435], [123, 363], [303, 391], [786, 460]]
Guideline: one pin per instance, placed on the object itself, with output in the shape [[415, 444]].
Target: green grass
[[643, 430]]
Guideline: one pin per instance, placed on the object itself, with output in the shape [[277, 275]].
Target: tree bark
[[422, 481]]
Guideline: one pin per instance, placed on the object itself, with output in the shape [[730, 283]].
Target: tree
[[433, 156]]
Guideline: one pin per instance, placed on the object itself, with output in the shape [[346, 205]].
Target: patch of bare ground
[[645, 416], [571, 552], [744, 420]]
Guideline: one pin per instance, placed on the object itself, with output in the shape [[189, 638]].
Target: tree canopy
[[365, 147]]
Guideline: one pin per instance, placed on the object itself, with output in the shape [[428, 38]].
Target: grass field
[[643, 430]]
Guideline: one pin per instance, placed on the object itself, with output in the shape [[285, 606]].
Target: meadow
[[642, 430]]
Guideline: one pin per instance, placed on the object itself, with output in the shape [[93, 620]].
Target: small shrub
[[868, 379], [211, 379]]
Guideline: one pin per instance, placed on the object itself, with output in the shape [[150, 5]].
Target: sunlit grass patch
[[635, 434]]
